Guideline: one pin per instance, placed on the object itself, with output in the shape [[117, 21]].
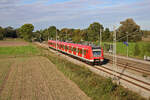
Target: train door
[[83, 52], [66, 48], [77, 51], [71, 49]]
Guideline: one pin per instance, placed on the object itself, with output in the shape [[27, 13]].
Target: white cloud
[[74, 13]]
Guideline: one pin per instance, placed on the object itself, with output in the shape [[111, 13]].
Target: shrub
[[136, 50]]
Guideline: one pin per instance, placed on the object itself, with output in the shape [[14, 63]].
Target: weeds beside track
[[95, 86]]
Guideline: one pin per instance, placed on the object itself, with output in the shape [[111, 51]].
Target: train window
[[74, 49], [80, 51], [96, 53], [84, 52]]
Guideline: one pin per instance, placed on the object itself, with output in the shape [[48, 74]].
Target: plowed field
[[36, 78], [13, 43]]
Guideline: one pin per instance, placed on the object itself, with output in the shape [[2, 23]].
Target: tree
[[26, 31], [10, 32], [52, 32], [93, 31], [38, 36], [131, 28], [106, 35], [84, 34], [1, 33], [77, 36], [66, 34], [45, 34]]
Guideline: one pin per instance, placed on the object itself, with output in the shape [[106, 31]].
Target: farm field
[[34, 78]]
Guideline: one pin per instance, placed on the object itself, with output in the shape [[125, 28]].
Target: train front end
[[98, 55]]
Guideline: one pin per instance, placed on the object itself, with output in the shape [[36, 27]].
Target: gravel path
[[36, 78]]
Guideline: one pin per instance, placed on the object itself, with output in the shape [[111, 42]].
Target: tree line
[[127, 27]]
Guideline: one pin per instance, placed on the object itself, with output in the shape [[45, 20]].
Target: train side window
[[74, 49], [84, 52], [81, 51], [78, 50]]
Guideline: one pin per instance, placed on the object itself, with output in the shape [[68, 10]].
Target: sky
[[73, 13]]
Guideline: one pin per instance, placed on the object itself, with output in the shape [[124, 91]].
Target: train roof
[[72, 44]]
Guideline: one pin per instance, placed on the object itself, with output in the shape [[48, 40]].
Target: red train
[[86, 53]]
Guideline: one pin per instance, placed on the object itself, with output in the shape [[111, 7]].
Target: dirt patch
[[13, 43], [37, 78]]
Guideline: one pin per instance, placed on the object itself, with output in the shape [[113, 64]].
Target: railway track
[[124, 79], [130, 66]]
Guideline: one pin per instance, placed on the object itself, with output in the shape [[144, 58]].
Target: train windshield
[[96, 53]]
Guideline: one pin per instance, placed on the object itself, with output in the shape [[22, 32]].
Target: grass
[[13, 51], [137, 50], [95, 86], [19, 50]]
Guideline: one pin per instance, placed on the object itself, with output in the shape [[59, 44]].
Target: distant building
[[146, 38]]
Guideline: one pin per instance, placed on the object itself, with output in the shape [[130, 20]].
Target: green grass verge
[[95, 86], [19, 50], [138, 49]]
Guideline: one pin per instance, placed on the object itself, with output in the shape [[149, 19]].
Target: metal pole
[[127, 46], [48, 36], [56, 38], [114, 49], [114, 52], [40, 38], [100, 38]]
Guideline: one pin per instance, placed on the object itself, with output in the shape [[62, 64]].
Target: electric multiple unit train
[[89, 54]]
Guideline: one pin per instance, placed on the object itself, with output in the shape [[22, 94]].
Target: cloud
[[72, 13]]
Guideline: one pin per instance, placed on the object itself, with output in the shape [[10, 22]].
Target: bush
[[108, 86], [1, 36], [136, 50]]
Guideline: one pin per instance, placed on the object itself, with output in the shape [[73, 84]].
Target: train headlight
[[102, 60]]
